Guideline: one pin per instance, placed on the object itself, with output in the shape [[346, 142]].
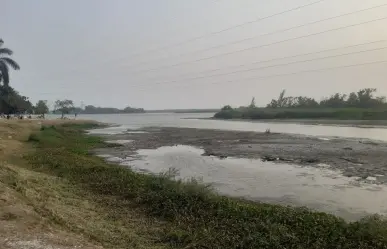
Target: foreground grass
[[312, 113], [192, 215]]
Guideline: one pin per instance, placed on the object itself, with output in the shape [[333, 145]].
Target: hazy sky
[[169, 54]]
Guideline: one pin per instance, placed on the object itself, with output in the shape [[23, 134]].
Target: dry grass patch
[[41, 211]]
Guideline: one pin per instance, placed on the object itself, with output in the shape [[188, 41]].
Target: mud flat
[[361, 158], [345, 177]]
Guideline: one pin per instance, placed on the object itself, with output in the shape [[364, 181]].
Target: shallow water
[[318, 188], [119, 141], [195, 120]]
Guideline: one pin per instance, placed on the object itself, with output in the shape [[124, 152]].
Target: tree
[[282, 101], [5, 63], [352, 100], [366, 98], [64, 106], [226, 108], [252, 103], [335, 101], [41, 107], [12, 102]]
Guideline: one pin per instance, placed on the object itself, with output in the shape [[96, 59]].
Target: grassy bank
[[294, 113], [191, 215]]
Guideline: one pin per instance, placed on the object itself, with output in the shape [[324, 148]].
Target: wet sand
[[353, 157]]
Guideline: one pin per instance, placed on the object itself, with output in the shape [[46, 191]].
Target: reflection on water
[[136, 121], [319, 188]]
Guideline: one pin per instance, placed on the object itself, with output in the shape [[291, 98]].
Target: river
[[320, 188], [198, 120]]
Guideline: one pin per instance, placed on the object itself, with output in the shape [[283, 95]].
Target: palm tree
[[5, 63]]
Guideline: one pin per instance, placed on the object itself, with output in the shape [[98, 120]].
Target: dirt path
[[360, 158]]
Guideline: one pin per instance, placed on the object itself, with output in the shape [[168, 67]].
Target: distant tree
[[226, 108], [252, 103], [129, 109], [90, 109], [41, 107], [64, 106], [281, 99], [381, 100], [5, 63], [280, 102], [273, 104], [366, 98], [352, 100], [11, 102], [305, 102], [335, 101]]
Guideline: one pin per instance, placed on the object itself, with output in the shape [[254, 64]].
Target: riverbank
[[31, 202], [327, 122], [346, 115], [113, 207]]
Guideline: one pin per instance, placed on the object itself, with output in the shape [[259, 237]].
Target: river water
[[320, 188], [197, 120]]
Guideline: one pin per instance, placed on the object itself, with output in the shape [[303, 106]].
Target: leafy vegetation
[[5, 63], [12, 102], [41, 107], [364, 98], [362, 105], [89, 109], [64, 106], [194, 216]]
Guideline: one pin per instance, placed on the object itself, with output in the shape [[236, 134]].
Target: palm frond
[[6, 51], [4, 71], [10, 62]]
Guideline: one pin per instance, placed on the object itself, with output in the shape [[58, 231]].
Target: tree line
[[364, 98], [360, 105], [90, 109]]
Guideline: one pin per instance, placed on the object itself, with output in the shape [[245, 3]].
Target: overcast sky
[[169, 54]]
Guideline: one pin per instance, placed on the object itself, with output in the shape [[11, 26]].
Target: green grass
[[194, 216], [294, 113]]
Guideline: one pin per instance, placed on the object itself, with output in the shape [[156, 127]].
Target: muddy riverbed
[[353, 157], [346, 177]]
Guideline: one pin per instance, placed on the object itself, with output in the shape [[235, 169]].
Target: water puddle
[[119, 141], [316, 187], [113, 130], [135, 132]]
